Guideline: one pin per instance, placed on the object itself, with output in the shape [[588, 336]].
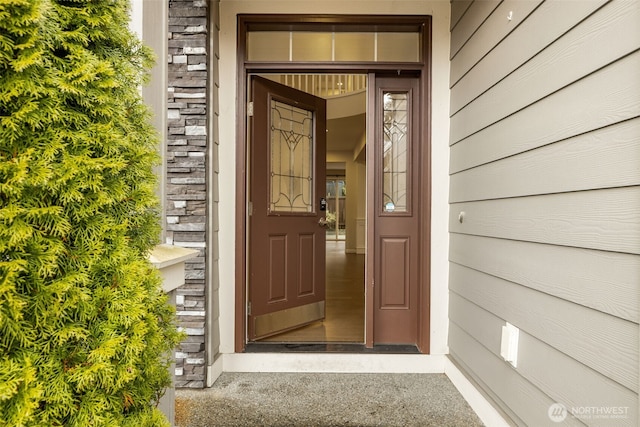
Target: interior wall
[[361, 215], [440, 11], [353, 188]]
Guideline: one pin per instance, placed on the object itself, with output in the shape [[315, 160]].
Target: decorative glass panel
[[291, 158], [395, 154]]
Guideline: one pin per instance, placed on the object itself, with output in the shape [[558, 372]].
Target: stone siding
[[186, 190]]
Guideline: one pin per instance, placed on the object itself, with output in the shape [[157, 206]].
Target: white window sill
[[170, 261]]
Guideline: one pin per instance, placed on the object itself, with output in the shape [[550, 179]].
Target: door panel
[[396, 249], [277, 268], [307, 281], [394, 272], [287, 181]]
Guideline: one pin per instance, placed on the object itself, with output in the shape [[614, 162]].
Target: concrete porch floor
[[325, 399]]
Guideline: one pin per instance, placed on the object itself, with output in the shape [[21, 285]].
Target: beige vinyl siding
[[556, 17], [592, 389], [458, 10], [604, 281], [600, 99], [601, 159], [470, 21], [493, 28], [545, 203]]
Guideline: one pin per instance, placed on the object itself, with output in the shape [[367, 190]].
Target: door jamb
[[369, 273], [424, 68]]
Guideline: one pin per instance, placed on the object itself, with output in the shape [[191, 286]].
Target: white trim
[[214, 371], [481, 406], [334, 363], [169, 260], [135, 23]]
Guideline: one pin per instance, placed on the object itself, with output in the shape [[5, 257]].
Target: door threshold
[[259, 347]]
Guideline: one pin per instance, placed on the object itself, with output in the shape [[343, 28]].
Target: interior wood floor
[[344, 320]]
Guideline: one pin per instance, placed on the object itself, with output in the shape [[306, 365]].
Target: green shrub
[[85, 328]]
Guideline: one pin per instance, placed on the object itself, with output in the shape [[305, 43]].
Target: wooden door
[[286, 206], [396, 212]]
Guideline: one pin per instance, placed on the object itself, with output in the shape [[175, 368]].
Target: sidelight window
[[395, 153]]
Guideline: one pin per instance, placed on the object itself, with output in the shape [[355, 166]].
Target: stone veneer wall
[[186, 189]]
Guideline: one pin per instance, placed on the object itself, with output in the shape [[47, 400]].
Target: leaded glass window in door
[[395, 153], [291, 165]]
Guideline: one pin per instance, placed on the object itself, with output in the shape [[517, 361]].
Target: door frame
[[422, 69]]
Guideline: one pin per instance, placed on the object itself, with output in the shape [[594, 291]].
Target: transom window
[[304, 46], [347, 40]]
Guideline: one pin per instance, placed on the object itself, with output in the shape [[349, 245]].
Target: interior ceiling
[[345, 133]]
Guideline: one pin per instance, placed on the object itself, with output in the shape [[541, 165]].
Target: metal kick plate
[[280, 321]]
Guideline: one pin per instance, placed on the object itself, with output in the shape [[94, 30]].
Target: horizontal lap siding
[[532, 80], [600, 219], [601, 341], [496, 26], [604, 281], [470, 21], [458, 9], [585, 386], [606, 97], [605, 158], [557, 17], [517, 397], [545, 202]]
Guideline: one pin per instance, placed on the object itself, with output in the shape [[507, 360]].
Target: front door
[[287, 208]]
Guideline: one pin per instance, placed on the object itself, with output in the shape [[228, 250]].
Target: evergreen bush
[[85, 329]]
